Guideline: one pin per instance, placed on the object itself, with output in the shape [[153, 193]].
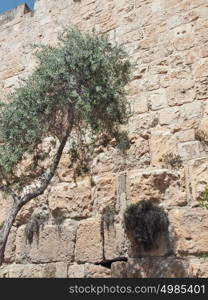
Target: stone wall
[[167, 161]]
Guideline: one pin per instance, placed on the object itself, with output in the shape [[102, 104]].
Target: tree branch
[[49, 173]]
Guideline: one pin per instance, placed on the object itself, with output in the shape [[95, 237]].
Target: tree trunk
[[19, 202], [4, 233]]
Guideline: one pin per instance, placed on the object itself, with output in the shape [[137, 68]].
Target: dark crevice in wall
[[108, 263]]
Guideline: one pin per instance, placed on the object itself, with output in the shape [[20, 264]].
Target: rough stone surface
[[52, 244], [76, 271], [157, 185], [93, 271], [190, 228], [89, 241], [52, 270]]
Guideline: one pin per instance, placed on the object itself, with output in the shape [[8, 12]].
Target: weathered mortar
[[167, 41]]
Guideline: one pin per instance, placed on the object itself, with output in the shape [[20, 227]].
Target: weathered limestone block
[[184, 42], [202, 130], [163, 143], [52, 270], [170, 115], [201, 68], [189, 150], [76, 271], [142, 123], [190, 226], [180, 92], [89, 241], [186, 135], [157, 185], [138, 153], [192, 110], [104, 161], [54, 244], [104, 193], [202, 88], [197, 267], [148, 267], [93, 271], [121, 193], [71, 199], [138, 103], [197, 176], [115, 241], [157, 99]]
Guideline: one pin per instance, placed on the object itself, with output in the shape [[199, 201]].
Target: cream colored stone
[[115, 241], [170, 115], [150, 267], [157, 99], [189, 150], [190, 227], [192, 110], [157, 185], [93, 271], [162, 143], [104, 193], [180, 91], [53, 244], [71, 199], [138, 103], [202, 89], [76, 271], [197, 176], [52, 270], [198, 267], [89, 241], [186, 135]]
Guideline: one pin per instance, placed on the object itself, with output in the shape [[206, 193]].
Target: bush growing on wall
[[144, 222]]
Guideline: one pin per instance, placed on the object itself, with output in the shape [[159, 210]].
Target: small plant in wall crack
[[173, 160], [108, 216], [144, 222], [203, 199]]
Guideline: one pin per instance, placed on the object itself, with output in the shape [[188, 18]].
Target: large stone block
[[197, 267], [93, 271], [89, 241], [189, 150], [162, 144], [115, 241], [157, 99], [170, 115], [76, 271], [180, 92], [104, 192], [158, 185], [71, 199], [53, 244], [190, 227], [52, 270], [197, 177]]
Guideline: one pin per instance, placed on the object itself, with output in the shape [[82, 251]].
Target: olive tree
[[77, 86]]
